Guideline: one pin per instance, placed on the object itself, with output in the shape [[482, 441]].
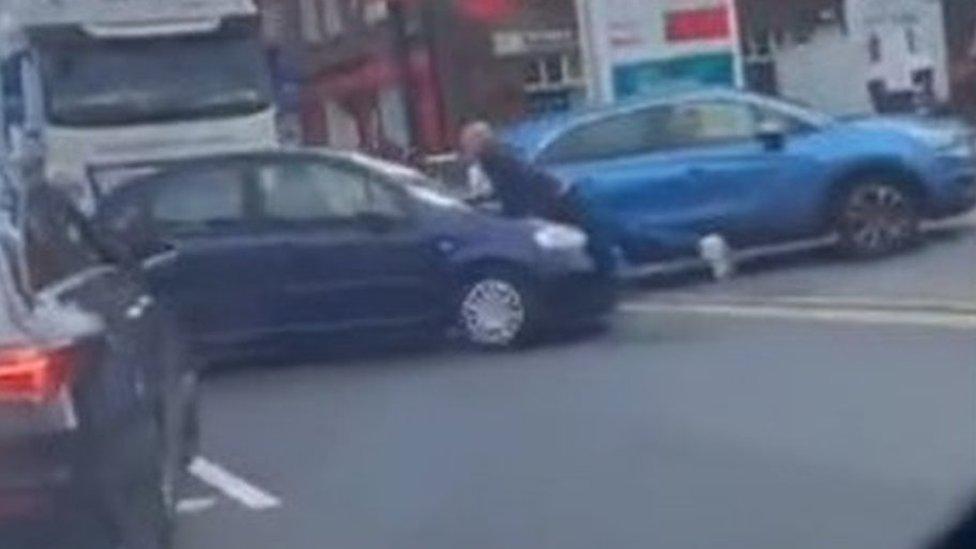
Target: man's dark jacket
[[522, 189]]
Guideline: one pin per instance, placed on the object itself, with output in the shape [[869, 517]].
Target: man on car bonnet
[[525, 190]]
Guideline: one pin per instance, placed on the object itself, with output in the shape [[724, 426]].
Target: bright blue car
[[659, 174]]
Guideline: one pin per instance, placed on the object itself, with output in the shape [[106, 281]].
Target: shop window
[[911, 40], [308, 14], [557, 71], [14, 111], [553, 68], [332, 24], [533, 72], [874, 48], [552, 82], [574, 66]]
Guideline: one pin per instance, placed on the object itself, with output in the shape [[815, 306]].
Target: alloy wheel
[[878, 218], [493, 312]]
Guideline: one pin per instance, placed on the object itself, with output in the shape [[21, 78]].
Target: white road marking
[[233, 486], [637, 272], [835, 315], [192, 506], [825, 302]]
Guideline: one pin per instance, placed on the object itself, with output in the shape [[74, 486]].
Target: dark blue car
[[660, 173], [280, 244], [97, 413]]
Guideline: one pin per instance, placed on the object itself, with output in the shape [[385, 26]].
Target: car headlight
[[559, 237]]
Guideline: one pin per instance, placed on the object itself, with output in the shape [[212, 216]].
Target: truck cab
[[89, 83]]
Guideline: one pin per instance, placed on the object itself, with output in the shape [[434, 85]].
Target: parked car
[[662, 172], [296, 243], [97, 402]]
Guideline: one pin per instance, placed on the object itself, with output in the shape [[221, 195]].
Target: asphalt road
[[675, 428], [941, 270]]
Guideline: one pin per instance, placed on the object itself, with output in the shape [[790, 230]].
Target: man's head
[[476, 137]]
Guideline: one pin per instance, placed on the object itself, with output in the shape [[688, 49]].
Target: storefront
[[549, 62]]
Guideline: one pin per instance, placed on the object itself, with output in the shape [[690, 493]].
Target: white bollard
[[718, 254]]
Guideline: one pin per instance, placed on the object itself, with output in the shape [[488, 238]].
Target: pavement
[[941, 272], [807, 403]]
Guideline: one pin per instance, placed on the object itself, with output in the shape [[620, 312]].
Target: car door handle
[[138, 308]]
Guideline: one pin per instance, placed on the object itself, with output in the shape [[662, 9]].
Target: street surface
[[940, 272], [808, 403]]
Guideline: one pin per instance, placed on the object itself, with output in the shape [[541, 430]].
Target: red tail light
[[31, 375]]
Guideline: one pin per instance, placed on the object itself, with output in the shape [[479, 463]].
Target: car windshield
[[422, 190], [124, 81], [419, 185]]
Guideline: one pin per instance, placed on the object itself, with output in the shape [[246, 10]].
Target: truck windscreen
[[91, 82]]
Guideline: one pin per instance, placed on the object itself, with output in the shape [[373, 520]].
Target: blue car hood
[[935, 132]]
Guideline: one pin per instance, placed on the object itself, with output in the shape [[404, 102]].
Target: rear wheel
[[876, 217], [497, 309]]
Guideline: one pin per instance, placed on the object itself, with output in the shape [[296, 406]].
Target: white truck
[[89, 83]]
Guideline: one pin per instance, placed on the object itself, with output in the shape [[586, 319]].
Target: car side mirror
[[772, 135]]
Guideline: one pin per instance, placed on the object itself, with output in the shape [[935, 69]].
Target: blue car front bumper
[[954, 191]]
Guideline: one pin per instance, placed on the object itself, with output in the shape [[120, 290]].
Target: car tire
[[876, 217], [497, 309]]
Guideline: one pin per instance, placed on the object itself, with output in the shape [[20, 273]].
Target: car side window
[[58, 244], [302, 191], [706, 123], [124, 209], [192, 200], [383, 199], [789, 123], [615, 136]]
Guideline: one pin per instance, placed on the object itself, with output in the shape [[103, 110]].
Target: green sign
[[707, 69]]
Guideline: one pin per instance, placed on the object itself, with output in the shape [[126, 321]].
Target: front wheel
[[497, 310], [876, 218]]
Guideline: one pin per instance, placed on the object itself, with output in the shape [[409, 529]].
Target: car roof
[[162, 169], [318, 153]]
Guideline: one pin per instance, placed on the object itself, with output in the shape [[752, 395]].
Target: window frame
[[43, 206], [545, 156], [748, 108]]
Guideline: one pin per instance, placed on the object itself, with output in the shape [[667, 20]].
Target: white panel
[[828, 71], [393, 116], [342, 129], [308, 15]]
